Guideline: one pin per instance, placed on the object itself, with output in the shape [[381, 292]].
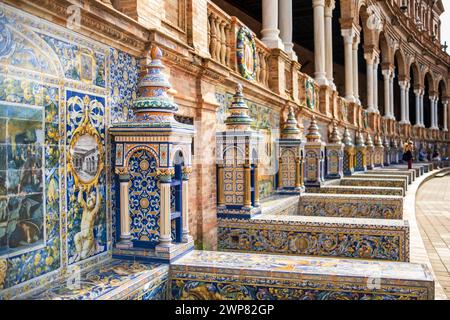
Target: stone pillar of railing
[[433, 100], [285, 21], [329, 7], [270, 33], [319, 41], [348, 35]]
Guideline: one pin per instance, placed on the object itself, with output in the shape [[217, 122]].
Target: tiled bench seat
[[230, 275], [369, 175], [411, 173], [111, 280], [351, 206], [373, 182], [317, 236], [336, 189], [396, 174]]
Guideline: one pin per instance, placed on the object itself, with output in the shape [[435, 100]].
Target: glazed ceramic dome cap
[[290, 126], [153, 88], [347, 138], [313, 134], [335, 136], [369, 142], [359, 139], [378, 142], [239, 111]]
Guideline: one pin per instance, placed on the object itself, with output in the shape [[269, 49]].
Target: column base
[[272, 42], [372, 110], [186, 237], [173, 251], [124, 244], [405, 122], [445, 130], [389, 117], [350, 99], [321, 79]]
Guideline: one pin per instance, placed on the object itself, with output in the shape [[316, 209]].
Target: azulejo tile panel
[[351, 206], [44, 68], [86, 180], [218, 275], [366, 182], [317, 236], [358, 190]]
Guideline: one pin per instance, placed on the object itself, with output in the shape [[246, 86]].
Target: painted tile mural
[[57, 93]]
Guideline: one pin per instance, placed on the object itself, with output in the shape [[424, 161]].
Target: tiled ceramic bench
[[317, 236], [351, 206], [230, 275], [386, 177], [392, 171], [373, 182], [111, 280], [396, 174], [336, 189]]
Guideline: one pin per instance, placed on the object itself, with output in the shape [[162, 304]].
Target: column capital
[[165, 174], [403, 84], [329, 7], [386, 73], [186, 172], [317, 3], [348, 35]]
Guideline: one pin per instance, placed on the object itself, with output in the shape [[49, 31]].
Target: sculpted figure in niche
[[84, 240]]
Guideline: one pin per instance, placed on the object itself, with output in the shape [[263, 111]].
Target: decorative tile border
[[223, 275], [373, 182], [317, 236], [332, 189], [351, 206]]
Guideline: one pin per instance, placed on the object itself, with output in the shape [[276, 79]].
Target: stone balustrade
[[219, 42]]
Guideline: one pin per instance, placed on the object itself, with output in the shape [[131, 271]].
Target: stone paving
[[433, 218]]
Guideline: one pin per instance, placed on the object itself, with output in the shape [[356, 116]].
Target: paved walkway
[[433, 218]]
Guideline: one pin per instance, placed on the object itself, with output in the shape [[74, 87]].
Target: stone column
[[125, 236], [329, 42], [391, 95], [270, 32], [355, 68], [417, 92], [185, 235], [387, 93], [285, 20], [433, 119], [348, 35], [375, 84], [370, 83], [445, 106], [422, 123], [408, 86], [165, 234], [403, 101], [319, 41]]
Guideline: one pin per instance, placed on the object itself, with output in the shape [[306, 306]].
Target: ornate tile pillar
[[379, 152], [291, 157], [370, 149], [349, 153], [314, 156], [237, 163], [334, 155], [360, 164], [153, 151]]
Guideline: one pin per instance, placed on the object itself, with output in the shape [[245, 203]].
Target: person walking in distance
[[408, 153]]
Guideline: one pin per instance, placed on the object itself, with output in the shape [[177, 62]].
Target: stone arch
[[415, 75], [429, 89], [399, 56], [385, 51], [442, 95]]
